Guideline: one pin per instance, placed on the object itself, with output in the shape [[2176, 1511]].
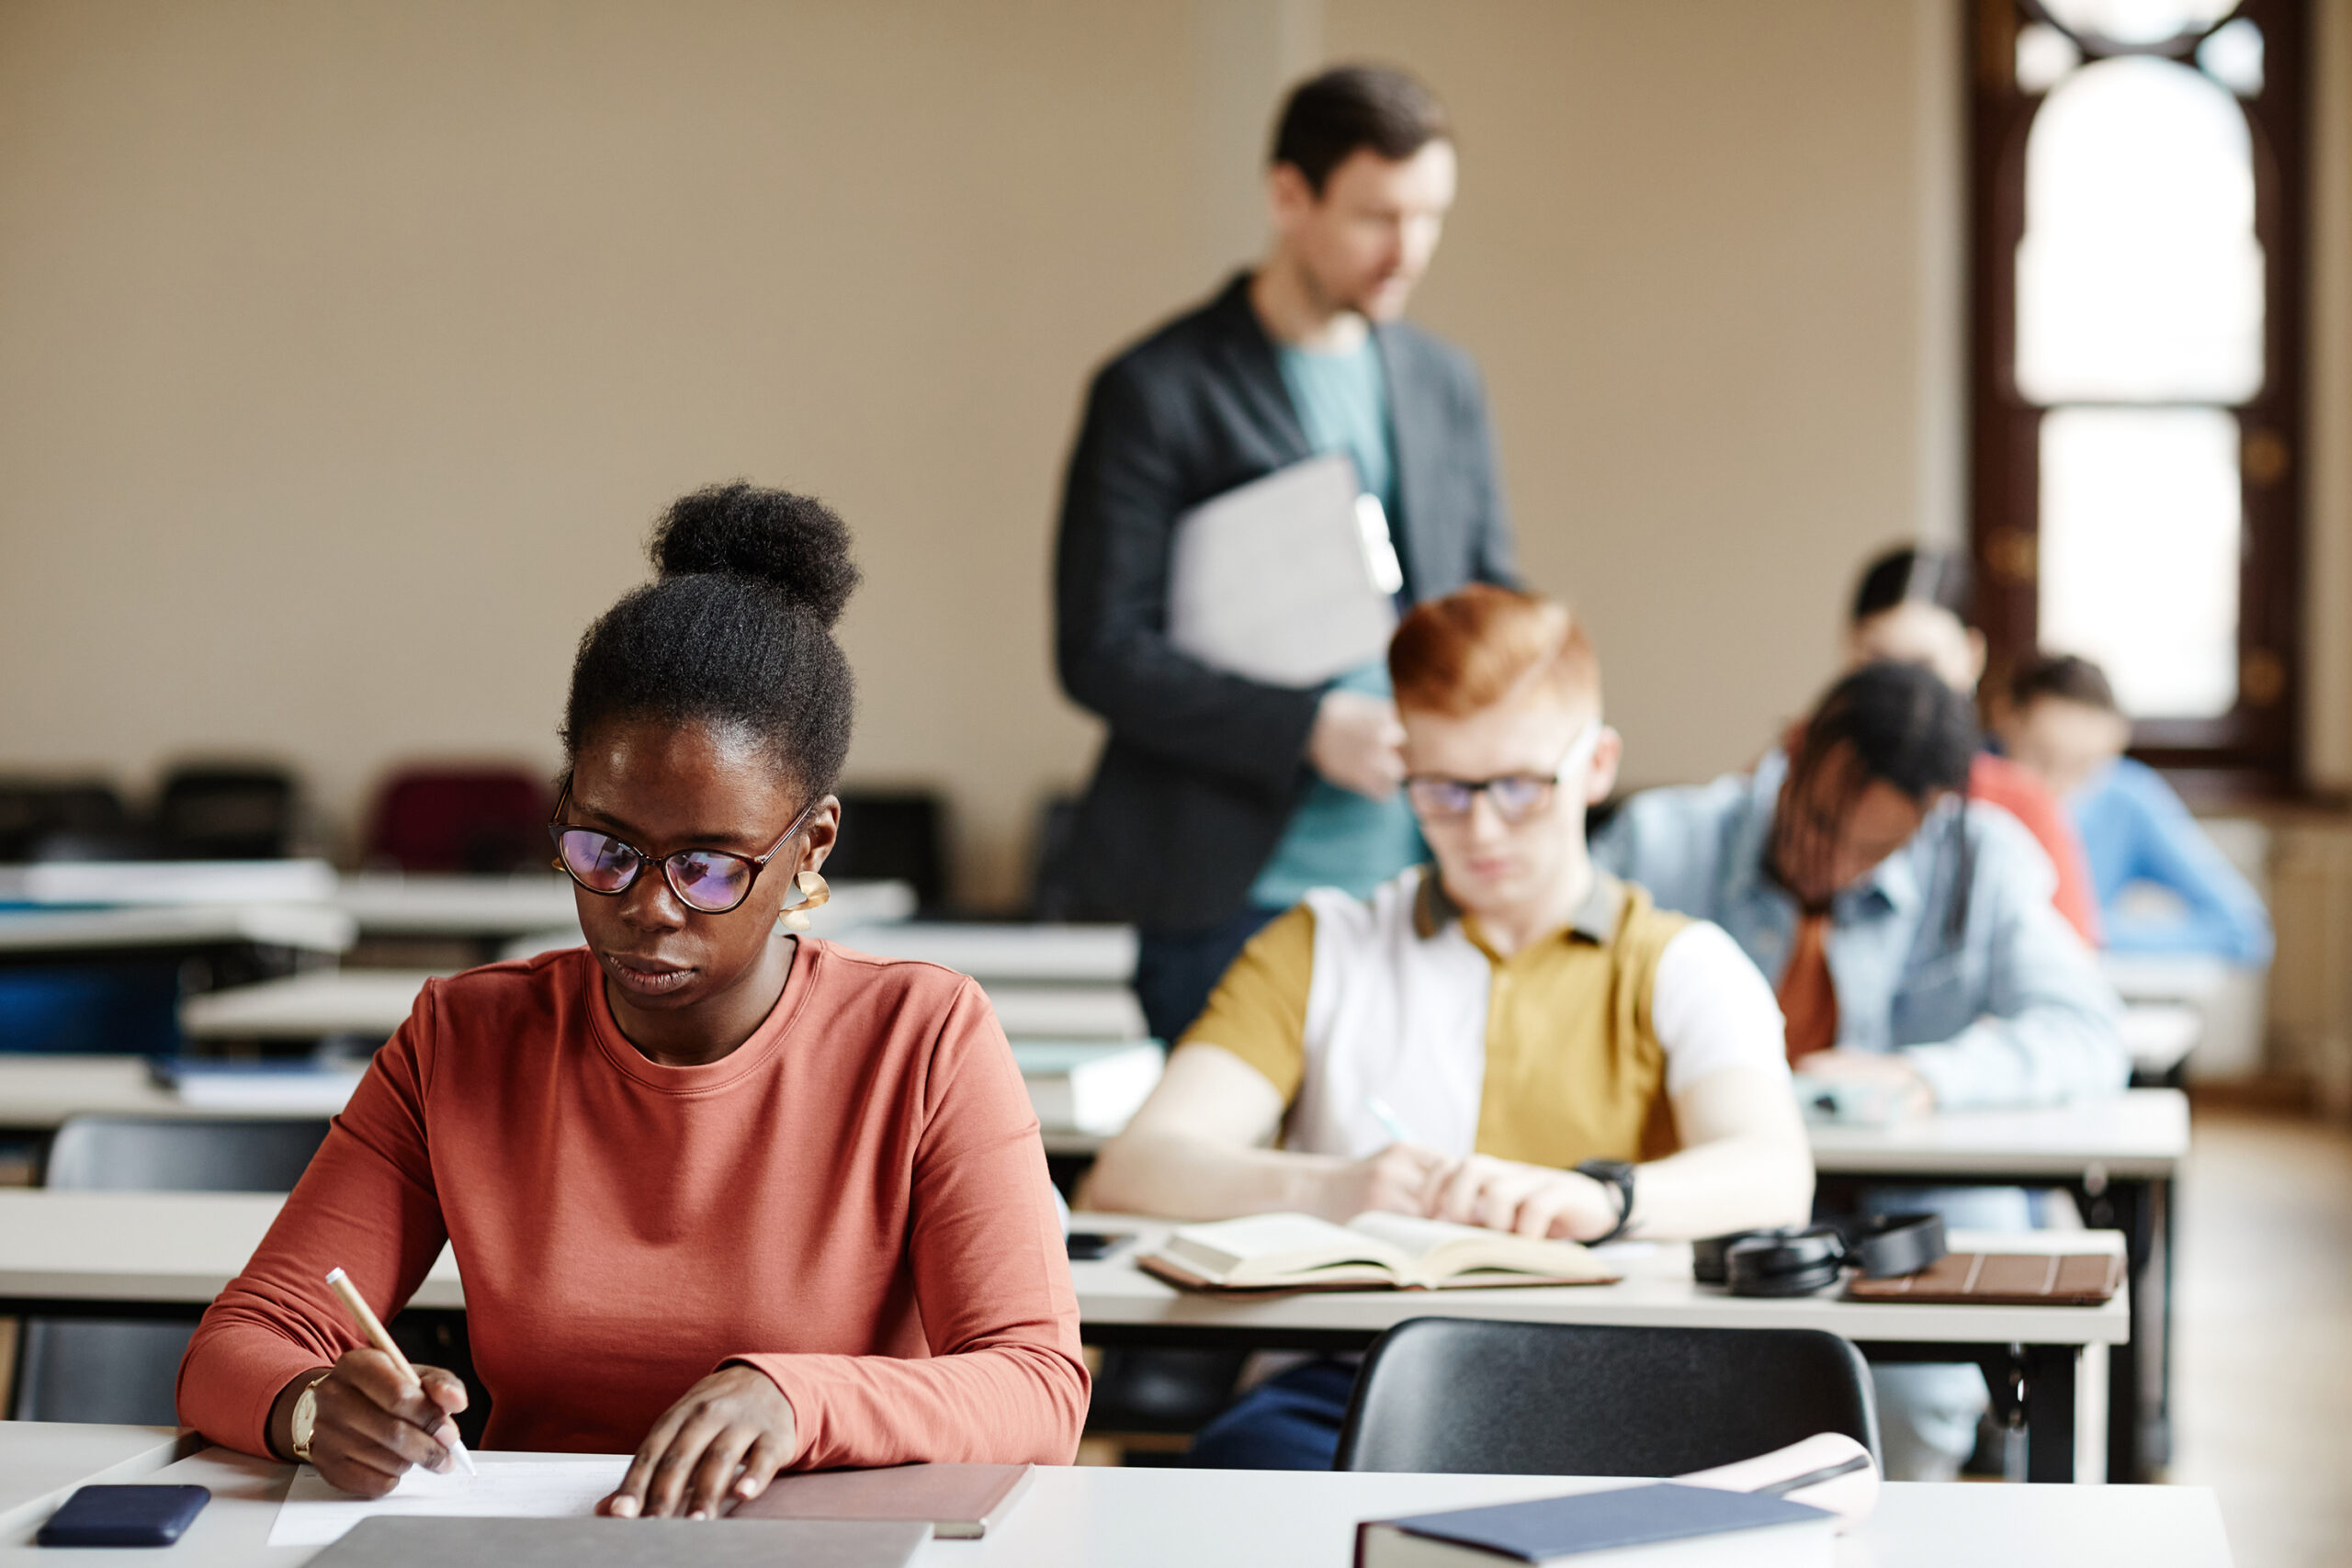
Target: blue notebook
[[1635, 1523]]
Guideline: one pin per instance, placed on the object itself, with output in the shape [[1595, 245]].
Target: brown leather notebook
[[2002, 1279], [959, 1502]]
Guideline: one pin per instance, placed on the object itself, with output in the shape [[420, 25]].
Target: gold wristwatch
[[306, 1417]]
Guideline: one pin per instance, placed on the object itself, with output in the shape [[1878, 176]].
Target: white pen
[[373, 1327], [1388, 1118]]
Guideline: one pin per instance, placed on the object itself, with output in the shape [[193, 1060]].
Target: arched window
[[2136, 356]]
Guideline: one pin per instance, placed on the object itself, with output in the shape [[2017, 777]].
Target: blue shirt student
[[1338, 838], [2011, 1010], [2135, 830]]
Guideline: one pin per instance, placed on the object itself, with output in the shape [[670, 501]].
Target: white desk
[[75, 1251], [42, 1461], [1035, 955], [2165, 977], [38, 1093], [2140, 1134], [78, 1252], [517, 917], [1180, 1519], [374, 1002], [117, 883], [319, 1005], [43, 936], [2118, 1156], [2160, 1035]]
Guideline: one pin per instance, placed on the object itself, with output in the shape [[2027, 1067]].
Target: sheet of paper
[[528, 1486]]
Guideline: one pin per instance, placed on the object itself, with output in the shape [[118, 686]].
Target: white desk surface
[[183, 1246], [1657, 1289], [312, 1005], [313, 928], [2165, 977], [40, 1091], [1048, 954], [1087, 1517], [540, 903], [42, 1461], [2142, 1133], [169, 882], [2160, 1035], [375, 1002], [148, 1246]]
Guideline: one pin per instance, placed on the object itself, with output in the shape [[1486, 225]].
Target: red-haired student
[[1567, 1059]]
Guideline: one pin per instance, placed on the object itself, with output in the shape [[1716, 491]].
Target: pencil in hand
[[373, 1327]]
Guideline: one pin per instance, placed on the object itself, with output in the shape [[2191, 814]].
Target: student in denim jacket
[[1910, 936]]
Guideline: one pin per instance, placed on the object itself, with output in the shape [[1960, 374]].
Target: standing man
[[1220, 800]]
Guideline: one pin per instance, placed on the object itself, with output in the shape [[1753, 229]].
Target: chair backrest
[[226, 813], [468, 819], [144, 1153], [63, 819], [893, 836], [108, 1371], [1472, 1396]]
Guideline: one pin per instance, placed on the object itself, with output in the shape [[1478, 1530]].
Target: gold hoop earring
[[814, 895]]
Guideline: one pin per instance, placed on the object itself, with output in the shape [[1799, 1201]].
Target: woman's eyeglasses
[[1515, 797], [710, 882]]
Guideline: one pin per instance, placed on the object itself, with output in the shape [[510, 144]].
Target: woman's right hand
[[373, 1423], [1400, 1179]]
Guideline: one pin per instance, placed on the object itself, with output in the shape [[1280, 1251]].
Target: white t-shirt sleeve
[[1713, 1010]]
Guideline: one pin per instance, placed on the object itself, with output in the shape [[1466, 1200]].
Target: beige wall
[[346, 350]]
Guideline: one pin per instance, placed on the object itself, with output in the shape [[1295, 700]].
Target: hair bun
[[794, 543]]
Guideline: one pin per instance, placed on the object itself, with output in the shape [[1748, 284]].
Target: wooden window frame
[[2255, 750]]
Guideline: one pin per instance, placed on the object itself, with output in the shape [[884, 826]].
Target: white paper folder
[[1289, 580]]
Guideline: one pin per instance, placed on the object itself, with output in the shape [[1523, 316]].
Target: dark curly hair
[[736, 631]]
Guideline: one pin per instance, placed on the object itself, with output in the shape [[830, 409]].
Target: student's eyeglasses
[[710, 882], [1515, 797]]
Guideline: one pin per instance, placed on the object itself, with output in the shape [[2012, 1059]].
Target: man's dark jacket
[[1203, 769]]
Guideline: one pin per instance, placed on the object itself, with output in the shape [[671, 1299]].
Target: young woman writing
[[736, 1200]]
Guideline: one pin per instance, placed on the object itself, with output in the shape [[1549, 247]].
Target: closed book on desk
[[1375, 1251], [959, 1502], [1290, 580], [1662, 1526], [387, 1542]]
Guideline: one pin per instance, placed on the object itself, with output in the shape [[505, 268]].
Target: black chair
[[1470, 1396], [125, 1371], [893, 836], [226, 813], [43, 819]]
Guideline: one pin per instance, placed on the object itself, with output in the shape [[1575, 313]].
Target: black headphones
[[1798, 1261]]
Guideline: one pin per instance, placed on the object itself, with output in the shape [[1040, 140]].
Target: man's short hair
[[2066, 677], [1330, 116], [1480, 644]]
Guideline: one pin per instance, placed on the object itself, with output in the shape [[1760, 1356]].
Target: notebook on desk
[[2002, 1279], [959, 1502], [1373, 1251], [387, 1542]]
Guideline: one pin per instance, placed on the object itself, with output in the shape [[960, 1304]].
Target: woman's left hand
[[736, 1419], [1532, 1200]]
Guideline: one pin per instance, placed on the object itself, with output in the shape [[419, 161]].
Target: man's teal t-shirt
[[1338, 838]]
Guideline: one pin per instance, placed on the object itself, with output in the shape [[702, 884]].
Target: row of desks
[[168, 1254], [2118, 1156], [1075, 1518]]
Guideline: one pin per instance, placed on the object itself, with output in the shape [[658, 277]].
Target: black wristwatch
[[1619, 1174]]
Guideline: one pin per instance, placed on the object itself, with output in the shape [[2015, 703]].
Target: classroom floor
[[2263, 1347]]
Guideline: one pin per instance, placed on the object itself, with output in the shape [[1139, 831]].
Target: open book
[[1299, 1252]]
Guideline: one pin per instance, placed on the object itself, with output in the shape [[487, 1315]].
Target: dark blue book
[[1656, 1526]]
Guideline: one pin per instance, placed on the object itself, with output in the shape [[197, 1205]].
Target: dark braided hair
[[1901, 726], [736, 631]]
